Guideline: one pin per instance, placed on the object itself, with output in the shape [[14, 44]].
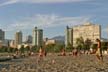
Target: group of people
[[98, 52]]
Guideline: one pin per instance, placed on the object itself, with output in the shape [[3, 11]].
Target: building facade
[[37, 37], [18, 38], [28, 39], [2, 35], [2, 38], [50, 41], [68, 36], [86, 31]]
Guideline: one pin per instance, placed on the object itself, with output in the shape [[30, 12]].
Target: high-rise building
[[37, 37], [18, 38], [34, 36], [29, 39], [2, 35], [69, 36], [86, 31]]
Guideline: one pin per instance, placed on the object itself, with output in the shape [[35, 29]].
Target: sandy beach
[[54, 63]]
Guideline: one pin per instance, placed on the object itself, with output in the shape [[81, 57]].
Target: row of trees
[[13, 50], [54, 47], [87, 44], [81, 44], [48, 48]]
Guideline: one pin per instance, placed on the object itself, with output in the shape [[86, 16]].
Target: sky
[[51, 15]]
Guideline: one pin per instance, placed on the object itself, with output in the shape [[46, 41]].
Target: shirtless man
[[40, 52], [63, 52], [75, 52], [99, 51]]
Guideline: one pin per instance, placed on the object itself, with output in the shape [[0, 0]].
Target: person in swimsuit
[[99, 50]]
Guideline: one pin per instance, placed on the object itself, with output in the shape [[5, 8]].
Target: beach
[[55, 63]]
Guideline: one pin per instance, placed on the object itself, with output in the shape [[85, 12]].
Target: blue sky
[[51, 15]]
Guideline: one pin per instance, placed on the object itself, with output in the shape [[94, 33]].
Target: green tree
[[69, 48], [58, 47], [3, 49], [94, 46], [27, 48], [54, 47], [22, 49], [80, 43], [87, 44], [10, 50], [104, 45], [34, 49], [83, 45], [50, 47]]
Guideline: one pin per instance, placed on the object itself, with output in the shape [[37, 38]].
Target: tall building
[[18, 38], [69, 36], [29, 39], [37, 37], [34, 36], [2, 35], [86, 31]]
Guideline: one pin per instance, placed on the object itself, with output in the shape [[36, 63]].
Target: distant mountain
[[59, 38]]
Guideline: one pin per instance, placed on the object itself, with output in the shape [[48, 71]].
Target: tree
[[94, 46], [27, 48], [50, 48], [80, 43], [54, 47], [69, 47], [87, 44], [83, 45], [3, 49], [34, 49], [104, 45], [22, 49], [58, 47], [10, 50]]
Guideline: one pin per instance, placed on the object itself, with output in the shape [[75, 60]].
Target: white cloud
[[8, 2], [46, 21], [50, 1]]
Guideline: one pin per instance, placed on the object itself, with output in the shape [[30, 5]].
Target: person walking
[[99, 51]]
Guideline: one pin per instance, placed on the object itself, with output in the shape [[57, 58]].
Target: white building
[[18, 38], [37, 37], [86, 31]]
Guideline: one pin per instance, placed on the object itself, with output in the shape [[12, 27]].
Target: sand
[[54, 63]]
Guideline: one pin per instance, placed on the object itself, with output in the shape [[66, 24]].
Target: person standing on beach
[[41, 52], [99, 50], [75, 52]]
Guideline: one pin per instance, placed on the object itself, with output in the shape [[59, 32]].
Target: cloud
[[50, 1], [46, 21], [9, 2]]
